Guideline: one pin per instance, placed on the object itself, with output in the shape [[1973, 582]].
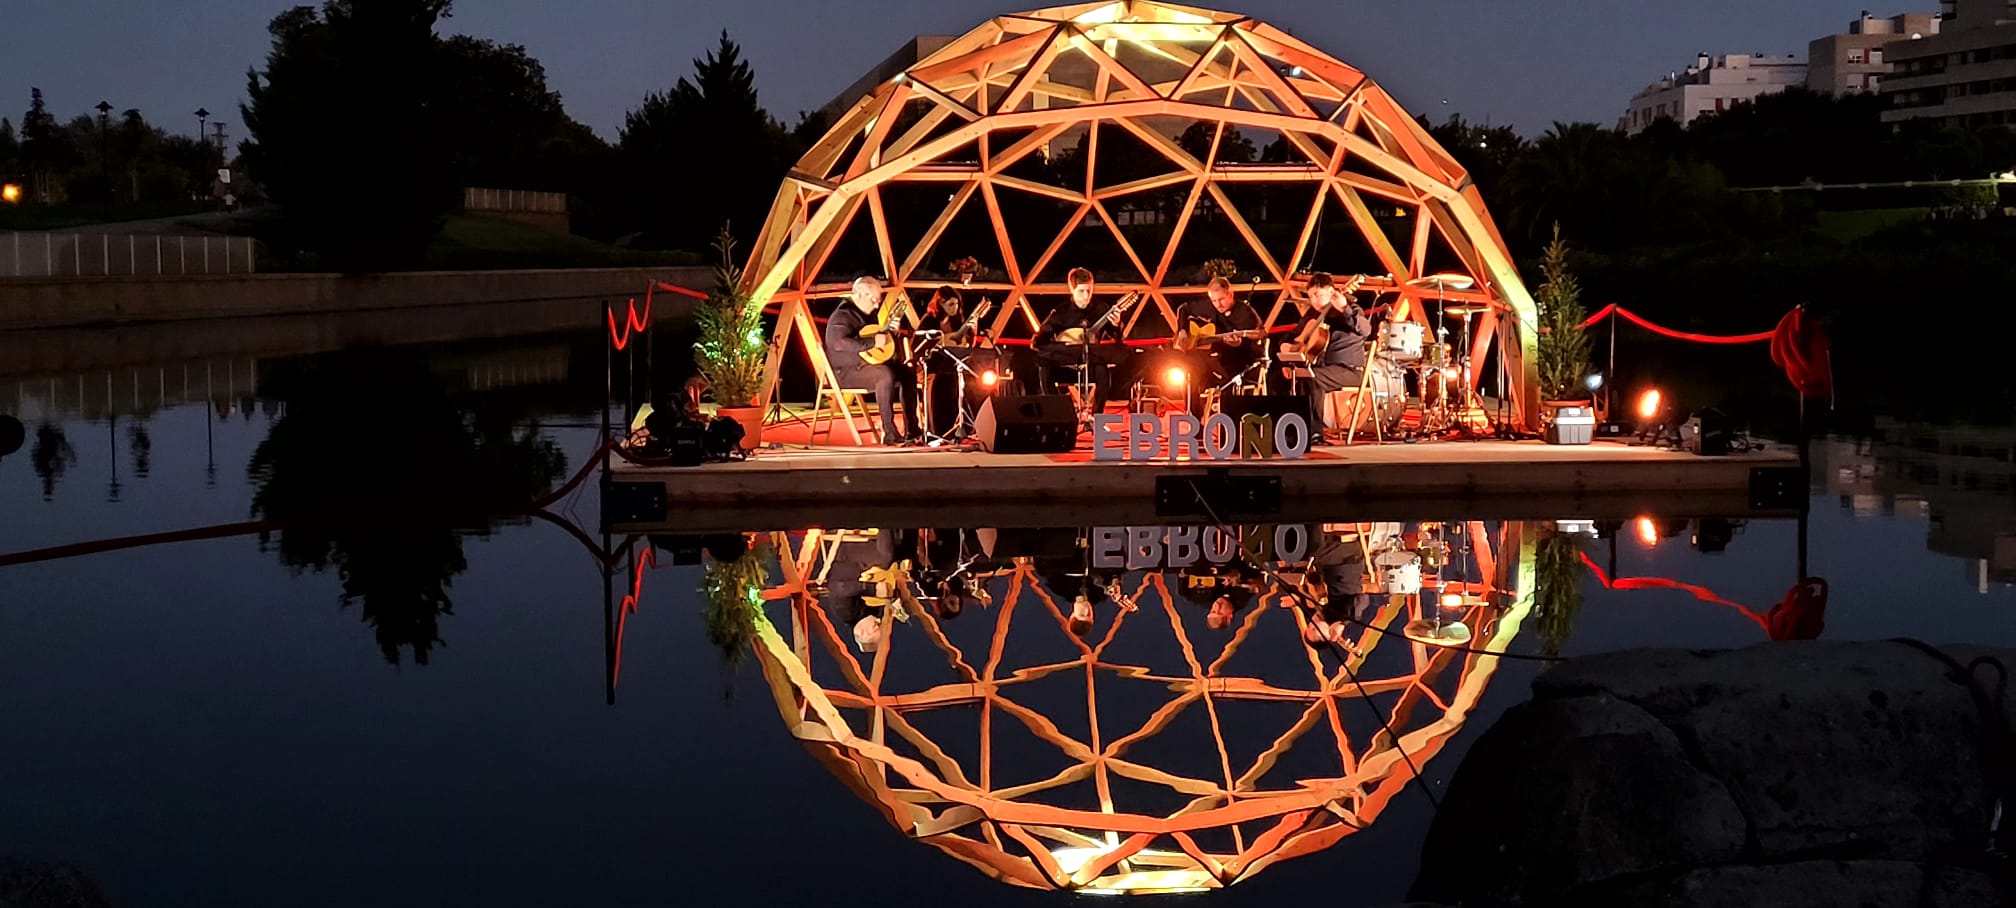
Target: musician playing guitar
[[1080, 335], [1333, 335], [851, 337], [1221, 337]]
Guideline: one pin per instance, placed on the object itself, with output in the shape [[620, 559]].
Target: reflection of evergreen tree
[[376, 473], [50, 456], [1557, 589]]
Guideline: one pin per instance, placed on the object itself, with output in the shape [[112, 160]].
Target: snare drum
[[1435, 356]]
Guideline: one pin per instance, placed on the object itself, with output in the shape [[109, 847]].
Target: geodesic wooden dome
[[1141, 139], [1153, 754]]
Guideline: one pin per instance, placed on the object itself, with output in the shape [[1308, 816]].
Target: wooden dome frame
[[1010, 74], [843, 710]]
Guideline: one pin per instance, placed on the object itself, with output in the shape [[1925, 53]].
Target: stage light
[[1452, 600], [1450, 372], [989, 378], [10, 193], [1648, 532], [1594, 381], [1175, 378], [1648, 404]]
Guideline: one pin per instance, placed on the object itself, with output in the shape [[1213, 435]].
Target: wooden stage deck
[[796, 487]]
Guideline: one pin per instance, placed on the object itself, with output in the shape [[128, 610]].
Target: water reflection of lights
[[1133, 810]]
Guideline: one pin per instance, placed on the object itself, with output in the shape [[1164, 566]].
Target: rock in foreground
[[1810, 773]]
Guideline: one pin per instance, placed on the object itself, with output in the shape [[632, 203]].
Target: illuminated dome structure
[[1177, 743], [1147, 141]]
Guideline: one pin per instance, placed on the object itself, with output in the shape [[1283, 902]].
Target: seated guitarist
[[849, 333], [950, 312], [1212, 361], [1097, 354], [1334, 321]]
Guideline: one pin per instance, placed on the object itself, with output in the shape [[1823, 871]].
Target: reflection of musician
[[1098, 354], [1345, 604], [845, 342], [846, 592], [1341, 363], [1213, 361]]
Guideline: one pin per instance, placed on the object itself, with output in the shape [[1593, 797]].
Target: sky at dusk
[[1523, 62]]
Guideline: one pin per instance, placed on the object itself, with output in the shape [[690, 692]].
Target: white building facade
[[1711, 84]]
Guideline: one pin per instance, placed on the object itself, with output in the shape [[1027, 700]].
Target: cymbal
[[1465, 309], [1444, 282]]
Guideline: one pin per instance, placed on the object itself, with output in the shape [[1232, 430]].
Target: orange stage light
[[1648, 532], [1648, 404], [10, 193], [989, 378], [1175, 378]]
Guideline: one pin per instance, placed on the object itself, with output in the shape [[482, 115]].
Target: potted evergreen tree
[[732, 351], [1562, 347]]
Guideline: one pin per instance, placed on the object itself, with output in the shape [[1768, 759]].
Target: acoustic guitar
[[1203, 333], [885, 345], [1112, 317], [1316, 337]]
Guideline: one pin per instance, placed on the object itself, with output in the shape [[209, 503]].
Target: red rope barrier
[[1801, 615], [631, 322], [675, 288], [1615, 310]]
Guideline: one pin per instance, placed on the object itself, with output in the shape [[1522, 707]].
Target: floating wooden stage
[[795, 487]]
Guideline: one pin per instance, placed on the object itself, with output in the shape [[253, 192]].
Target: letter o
[[1300, 446]]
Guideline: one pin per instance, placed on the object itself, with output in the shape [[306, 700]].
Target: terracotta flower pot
[[751, 420]]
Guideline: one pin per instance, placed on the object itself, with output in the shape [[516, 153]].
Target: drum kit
[[1442, 371]]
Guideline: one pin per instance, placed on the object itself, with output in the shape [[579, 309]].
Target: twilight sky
[[1524, 62]]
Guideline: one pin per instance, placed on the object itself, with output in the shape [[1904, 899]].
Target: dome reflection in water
[[1172, 713]]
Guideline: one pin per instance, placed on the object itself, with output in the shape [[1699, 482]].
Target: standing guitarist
[[1221, 337], [852, 332], [1067, 338]]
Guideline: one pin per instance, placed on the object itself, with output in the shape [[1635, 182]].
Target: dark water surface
[[367, 704]]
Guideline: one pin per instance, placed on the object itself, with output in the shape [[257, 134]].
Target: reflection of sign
[[1144, 436], [1140, 548]]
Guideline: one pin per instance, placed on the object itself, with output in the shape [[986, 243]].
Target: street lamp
[[104, 157]]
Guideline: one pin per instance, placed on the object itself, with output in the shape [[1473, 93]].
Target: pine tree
[[1563, 348]]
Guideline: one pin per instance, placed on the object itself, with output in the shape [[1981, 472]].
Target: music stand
[[964, 421]]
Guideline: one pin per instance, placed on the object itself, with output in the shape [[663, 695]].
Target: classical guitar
[[885, 345], [1112, 317]]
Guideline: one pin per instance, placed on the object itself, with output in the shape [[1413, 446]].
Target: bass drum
[[1387, 387]]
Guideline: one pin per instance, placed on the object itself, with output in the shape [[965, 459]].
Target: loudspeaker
[[1027, 424], [1708, 432], [1275, 405]]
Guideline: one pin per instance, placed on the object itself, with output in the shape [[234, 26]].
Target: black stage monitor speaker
[[1027, 424], [1275, 405]]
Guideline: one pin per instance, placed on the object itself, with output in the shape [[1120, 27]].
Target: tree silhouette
[[377, 474], [346, 131], [704, 153], [50, 456]]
